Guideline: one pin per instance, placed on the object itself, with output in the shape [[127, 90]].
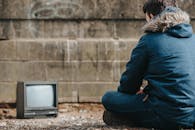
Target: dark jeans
[[137, 110]]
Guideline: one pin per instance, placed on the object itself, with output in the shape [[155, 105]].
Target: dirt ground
[[71, 117]]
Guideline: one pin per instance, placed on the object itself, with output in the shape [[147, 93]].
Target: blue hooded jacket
[[166, 59]]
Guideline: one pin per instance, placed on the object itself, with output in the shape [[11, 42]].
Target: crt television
[[36, 99]]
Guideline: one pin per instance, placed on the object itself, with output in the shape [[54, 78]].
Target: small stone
[[83, 111], [63, 110], [5, 111], [3, 124], [72, 118]]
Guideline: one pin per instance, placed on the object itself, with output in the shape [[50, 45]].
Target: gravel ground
[[71, 117]]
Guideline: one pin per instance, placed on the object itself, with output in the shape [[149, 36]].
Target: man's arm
[[131, 79]]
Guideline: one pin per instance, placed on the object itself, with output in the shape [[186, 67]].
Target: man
[[165, 57]]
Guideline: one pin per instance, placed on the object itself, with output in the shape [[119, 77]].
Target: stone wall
[[81, 44]]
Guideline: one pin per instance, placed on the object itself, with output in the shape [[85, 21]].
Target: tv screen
[[39, 96], [36, 99]]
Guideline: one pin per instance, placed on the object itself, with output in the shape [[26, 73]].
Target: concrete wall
[[81, 44]]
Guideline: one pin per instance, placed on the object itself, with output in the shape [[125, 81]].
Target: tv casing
[[26, 112]]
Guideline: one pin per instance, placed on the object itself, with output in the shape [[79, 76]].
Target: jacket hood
[[173, 21], [181, 31]]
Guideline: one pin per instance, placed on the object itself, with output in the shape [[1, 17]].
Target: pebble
[[63, 110], [2, 124], [5, 111]]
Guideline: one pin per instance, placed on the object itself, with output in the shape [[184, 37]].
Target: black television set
[[36, 99]]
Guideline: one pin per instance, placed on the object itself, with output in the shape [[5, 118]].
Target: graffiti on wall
[[57, 9]]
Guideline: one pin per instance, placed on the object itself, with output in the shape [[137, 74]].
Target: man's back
[[171, 73]]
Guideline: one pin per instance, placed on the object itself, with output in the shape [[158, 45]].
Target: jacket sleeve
[[131, 79]]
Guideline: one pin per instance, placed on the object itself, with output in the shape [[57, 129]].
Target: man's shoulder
[[152, 38], [151, 35]]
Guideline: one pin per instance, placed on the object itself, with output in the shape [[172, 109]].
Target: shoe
[[116, 120]]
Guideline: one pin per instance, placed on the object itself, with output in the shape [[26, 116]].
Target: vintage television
[[36, 99]]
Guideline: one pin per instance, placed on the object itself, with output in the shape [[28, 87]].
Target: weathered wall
[[82, 44]]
